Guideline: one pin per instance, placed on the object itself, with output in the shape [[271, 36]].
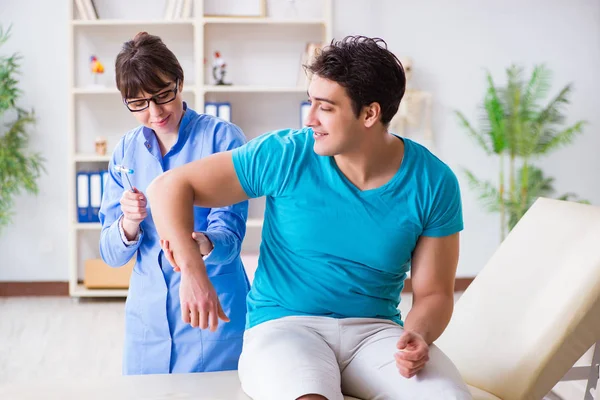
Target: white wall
[[451, 44], [34, 247]]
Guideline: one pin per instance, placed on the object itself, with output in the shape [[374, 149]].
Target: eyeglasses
[[161, 98]]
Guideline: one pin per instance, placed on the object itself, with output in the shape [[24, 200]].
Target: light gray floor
[[43, 338], [48, 338]]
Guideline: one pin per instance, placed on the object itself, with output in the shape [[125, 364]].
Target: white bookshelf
[[110, 90], [79, 290], [262, 20], [132, 22], [254, 223], [88, 226], [92, 158], [253, 89], [251, 45], [91, 226]]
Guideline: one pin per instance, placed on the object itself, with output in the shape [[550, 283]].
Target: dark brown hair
[[142, 65], [368, 71]]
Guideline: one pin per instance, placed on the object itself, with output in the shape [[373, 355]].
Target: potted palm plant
[[517, 128], [19, 168]]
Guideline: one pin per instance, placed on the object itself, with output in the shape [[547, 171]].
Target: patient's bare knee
[[312, 397]]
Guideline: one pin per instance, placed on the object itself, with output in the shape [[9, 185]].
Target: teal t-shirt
[[328, 248]]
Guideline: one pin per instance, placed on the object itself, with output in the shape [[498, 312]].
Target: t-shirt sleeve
[[264, 164], [445, 216]]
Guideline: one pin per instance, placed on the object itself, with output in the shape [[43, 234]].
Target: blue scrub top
[[156, 338]]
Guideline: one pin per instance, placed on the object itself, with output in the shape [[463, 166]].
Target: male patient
[[350, 209]]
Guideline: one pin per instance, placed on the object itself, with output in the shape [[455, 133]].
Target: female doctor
[[157, 340]]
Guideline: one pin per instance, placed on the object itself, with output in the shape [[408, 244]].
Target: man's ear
[[371, 114]]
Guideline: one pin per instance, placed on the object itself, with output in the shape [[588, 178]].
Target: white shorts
[[291, 357]]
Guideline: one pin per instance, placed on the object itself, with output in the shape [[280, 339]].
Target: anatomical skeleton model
[[413, 119]]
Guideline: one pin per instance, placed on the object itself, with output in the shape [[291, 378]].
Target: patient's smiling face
[[336, 127]]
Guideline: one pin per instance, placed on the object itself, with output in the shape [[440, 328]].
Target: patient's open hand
[[413, 354], [200, 305]]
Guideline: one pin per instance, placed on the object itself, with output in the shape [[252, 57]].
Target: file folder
[[220, 110], [105, 178], [83, 197], [225, 111], [211, 109], [304, 110], [95, 195]]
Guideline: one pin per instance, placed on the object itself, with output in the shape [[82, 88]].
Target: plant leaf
[[19, 168], [487, 193]]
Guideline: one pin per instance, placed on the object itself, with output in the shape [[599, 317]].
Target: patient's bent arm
[[209, 182]]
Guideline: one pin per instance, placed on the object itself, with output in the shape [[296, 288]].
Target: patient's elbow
[[156, 187]]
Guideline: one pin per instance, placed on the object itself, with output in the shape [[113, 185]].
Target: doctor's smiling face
[[159, 110], [150, 80]]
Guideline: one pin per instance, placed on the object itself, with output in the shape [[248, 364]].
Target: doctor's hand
[[133, 205], [203, 241], [413, 354], [200, 305], [206, 246]]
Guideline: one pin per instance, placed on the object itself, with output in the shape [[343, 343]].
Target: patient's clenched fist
[[413, 354]]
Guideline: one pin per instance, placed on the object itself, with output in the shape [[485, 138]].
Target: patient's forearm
[[430, 315], [171, 201]]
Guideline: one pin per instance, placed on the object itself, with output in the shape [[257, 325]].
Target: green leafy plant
[[516, 128], [19, 168]]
